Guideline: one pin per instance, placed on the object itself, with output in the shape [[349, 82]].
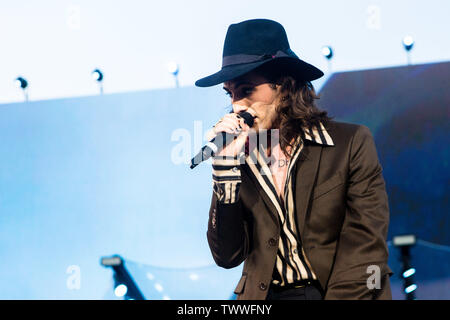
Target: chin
[[256, 127], [259, 125]]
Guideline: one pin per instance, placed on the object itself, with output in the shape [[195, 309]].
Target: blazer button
[[272, 242], [262, 286], [213, 219]]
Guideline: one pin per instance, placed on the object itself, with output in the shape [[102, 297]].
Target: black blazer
[[341, 210]]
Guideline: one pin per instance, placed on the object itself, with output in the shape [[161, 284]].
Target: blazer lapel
[[305, 179], [269, 203]]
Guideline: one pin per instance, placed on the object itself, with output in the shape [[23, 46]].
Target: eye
[[247, 91], [242, 92]]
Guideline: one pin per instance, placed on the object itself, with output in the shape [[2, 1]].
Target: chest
[[279, 170]]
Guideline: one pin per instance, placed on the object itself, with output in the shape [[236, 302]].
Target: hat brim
[[293, 66]]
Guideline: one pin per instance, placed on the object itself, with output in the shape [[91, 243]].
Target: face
[[253, 93]]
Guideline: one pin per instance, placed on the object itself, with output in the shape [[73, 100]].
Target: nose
[[239, 107]]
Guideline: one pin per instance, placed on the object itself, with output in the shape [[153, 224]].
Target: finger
[[233, 124], [230, 122], [231, 119], [229, 125], [243, 125], [239, 143], [227, 116], [235, 147], [224, 128], [230, 116]]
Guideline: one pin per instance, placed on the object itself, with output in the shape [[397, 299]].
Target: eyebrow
[[238, 84]]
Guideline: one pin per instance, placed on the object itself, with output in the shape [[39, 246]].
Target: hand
[[232, 123]]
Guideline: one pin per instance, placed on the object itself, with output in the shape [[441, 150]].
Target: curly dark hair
[[296, 107]]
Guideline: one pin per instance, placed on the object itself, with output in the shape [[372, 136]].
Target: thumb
[[240, 141]]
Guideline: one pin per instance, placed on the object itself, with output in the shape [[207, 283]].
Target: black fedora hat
[[253, 43]]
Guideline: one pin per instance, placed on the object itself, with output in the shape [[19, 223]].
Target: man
[[305, 207]]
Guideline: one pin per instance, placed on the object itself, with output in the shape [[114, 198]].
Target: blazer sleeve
[[227, 233], [362, 244]]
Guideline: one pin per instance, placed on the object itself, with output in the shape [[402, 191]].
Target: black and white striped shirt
[[291, 263]]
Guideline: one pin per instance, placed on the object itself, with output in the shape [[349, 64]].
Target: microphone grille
[[248, 118]]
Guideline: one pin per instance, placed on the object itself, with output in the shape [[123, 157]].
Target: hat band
[[250, 58]]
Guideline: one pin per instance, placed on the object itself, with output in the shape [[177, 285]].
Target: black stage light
[[124, 285], [408, 44], [97, 75], [174, 69], [327, 52], [22, 83], [404, 243]]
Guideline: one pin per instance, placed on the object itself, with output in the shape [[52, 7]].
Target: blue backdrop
[[407, 110], [89, 177]]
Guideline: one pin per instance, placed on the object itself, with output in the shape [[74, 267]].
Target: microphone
[[219, 142]]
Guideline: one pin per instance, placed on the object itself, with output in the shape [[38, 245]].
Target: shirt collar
[[312, 134], [318, 136]]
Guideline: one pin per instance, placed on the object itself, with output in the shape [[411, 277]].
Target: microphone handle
[[212, 148], [219, 142]]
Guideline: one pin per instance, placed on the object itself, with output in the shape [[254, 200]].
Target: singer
[[305, 208]]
